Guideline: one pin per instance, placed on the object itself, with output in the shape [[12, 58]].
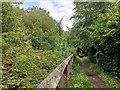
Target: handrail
[[60, 74]]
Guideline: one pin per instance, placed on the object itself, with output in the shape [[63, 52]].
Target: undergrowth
[[27, 68]]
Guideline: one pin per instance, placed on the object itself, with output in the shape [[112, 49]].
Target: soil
[[94, 78]]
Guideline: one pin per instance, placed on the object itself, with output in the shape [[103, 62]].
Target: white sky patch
[[59, 9], [23, 6]]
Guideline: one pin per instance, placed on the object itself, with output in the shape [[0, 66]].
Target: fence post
[[66, 75], [59, 75]]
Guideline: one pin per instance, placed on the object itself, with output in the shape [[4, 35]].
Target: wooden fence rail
[[59, 75]]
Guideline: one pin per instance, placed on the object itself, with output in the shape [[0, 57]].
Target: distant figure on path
[[79, 52]]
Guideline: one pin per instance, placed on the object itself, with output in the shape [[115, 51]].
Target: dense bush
[[27, 68], [96, 29], [32, 46]]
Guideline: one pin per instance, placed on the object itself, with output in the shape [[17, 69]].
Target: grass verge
[[78, 79]]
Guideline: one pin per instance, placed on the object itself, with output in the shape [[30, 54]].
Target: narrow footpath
[[94, 78]]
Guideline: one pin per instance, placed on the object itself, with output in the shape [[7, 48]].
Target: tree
[[96, 29], [88, 12], [11, 18]]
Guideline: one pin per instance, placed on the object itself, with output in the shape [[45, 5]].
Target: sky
[[58, 9]]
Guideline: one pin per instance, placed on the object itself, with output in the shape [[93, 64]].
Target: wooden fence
[[60, 75]]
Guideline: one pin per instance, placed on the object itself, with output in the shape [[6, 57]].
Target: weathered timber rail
[[59, 75]]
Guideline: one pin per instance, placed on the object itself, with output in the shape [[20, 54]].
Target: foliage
[[105, 37], [43, 28], [27, 68], [87, 12], [96, 30], [11, 18], [33, 45]]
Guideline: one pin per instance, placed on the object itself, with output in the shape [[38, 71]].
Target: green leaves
[[11, 18], [97, 26], [87, 12], [31, 46]]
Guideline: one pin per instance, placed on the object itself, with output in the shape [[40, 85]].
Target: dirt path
[[94, 79]]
